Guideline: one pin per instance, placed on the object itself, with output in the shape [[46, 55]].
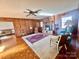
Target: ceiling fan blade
[[26, 12], [34, 14], [37, 11], [28, 15], [28, 9]]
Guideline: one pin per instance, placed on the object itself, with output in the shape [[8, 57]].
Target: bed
[[42, 46]]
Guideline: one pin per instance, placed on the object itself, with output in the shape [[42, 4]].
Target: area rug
[[36, 37]]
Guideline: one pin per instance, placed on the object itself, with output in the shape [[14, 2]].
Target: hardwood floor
[[16, 48]]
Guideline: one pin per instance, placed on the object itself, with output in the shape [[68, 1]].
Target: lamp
[[31, 28]]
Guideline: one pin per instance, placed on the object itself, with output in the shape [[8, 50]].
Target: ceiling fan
[[31, 12]]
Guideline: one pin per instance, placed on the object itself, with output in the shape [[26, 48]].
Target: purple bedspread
[[36, 38]]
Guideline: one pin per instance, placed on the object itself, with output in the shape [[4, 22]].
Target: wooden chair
[[56, 41], [63, 43]]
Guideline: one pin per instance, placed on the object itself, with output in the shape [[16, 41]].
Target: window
[[66, 21], [6, 25], [41, 24]]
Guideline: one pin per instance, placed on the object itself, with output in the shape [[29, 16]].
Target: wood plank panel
[[22, 26], [17, 27]]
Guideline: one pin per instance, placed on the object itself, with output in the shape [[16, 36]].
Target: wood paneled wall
[[22, 26]]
